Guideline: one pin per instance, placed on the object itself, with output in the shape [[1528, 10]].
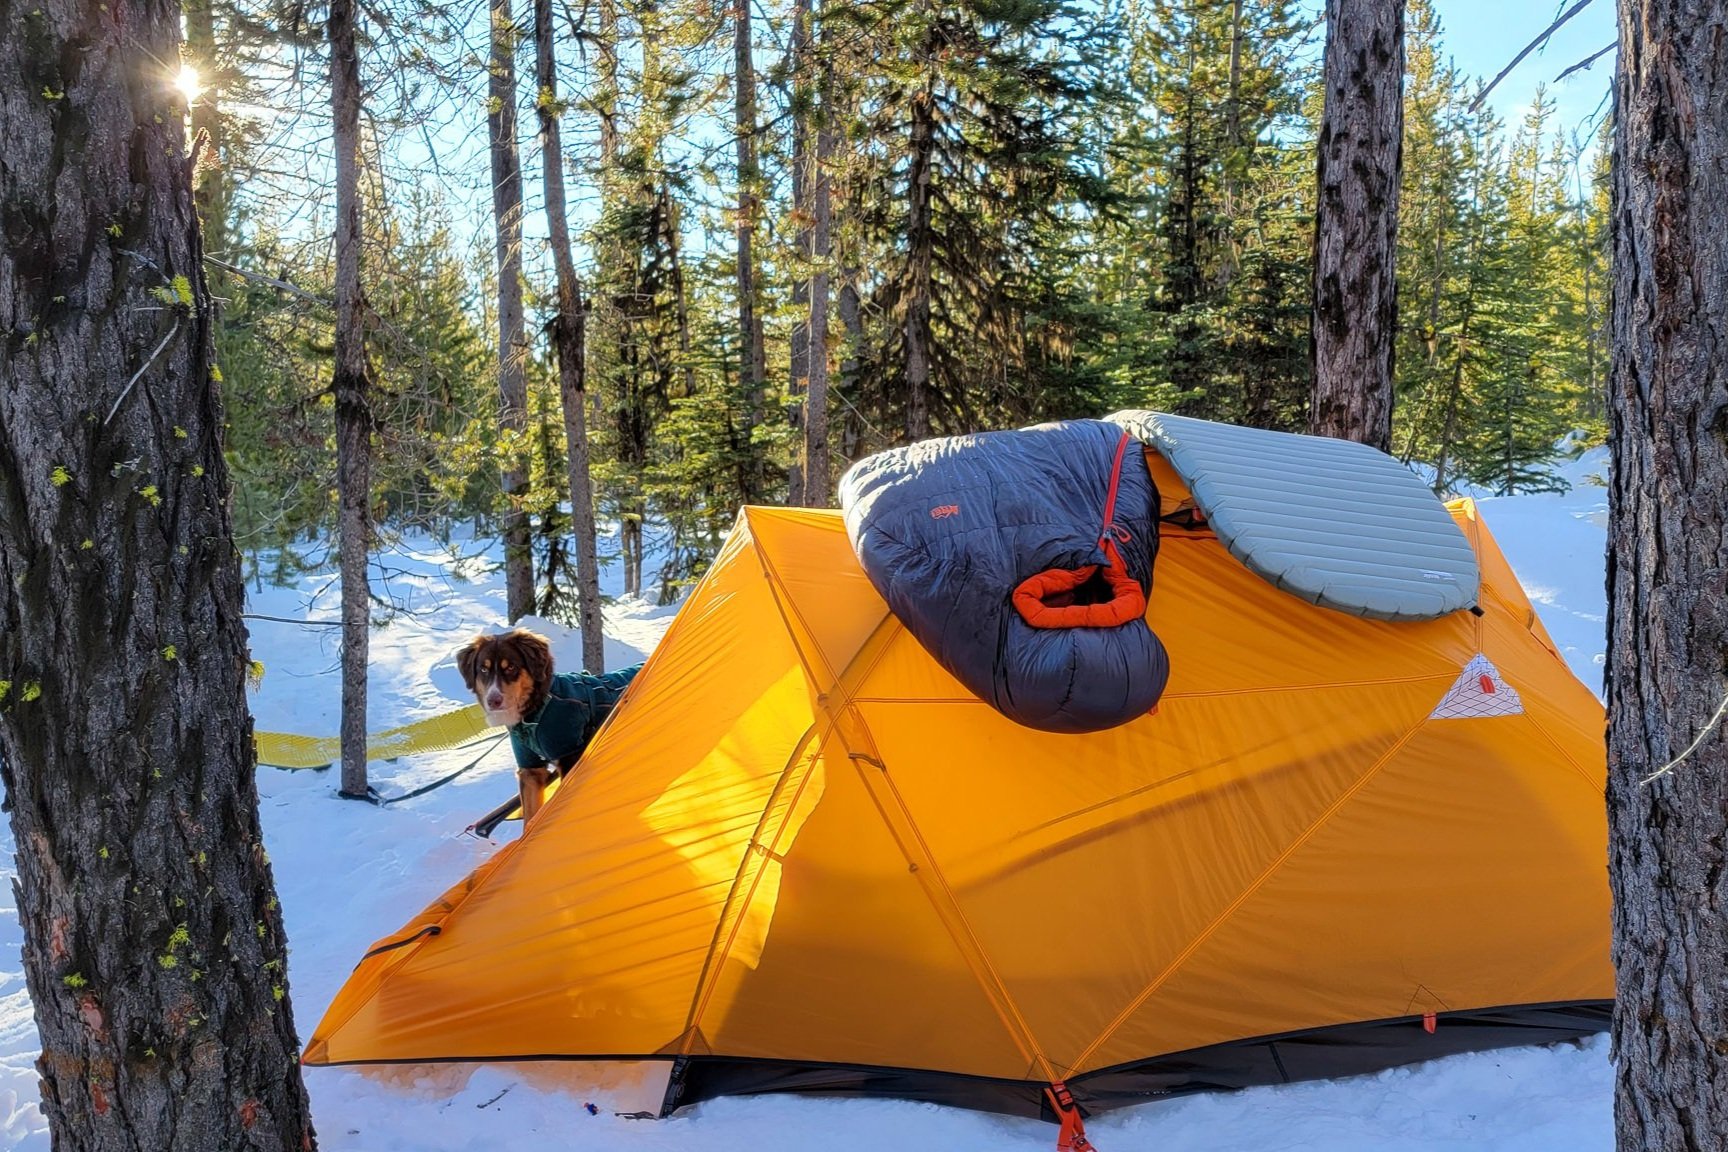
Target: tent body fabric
[[801, 856]]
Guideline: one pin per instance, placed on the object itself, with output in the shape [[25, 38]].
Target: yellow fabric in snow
[[433, 734]]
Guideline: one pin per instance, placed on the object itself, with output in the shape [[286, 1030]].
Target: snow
[[1528, 1099]]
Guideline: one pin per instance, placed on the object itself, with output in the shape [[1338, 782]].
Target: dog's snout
[[494, 700]]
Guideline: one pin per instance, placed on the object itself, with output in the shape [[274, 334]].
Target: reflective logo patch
[[1479, 691]]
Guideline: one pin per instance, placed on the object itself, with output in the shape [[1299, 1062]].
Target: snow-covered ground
[[348, 873]]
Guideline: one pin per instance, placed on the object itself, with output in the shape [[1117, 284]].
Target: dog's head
[[510, 674]]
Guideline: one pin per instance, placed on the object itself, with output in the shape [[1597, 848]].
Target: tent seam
[[956, 923], [965, 940], [709, 979], [717, 952], [1577, 768]]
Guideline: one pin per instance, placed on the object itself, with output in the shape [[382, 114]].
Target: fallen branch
[[142, 368], [260, 278], [291, 620], [1722, 710]]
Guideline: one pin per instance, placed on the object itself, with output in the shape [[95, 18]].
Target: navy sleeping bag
[[1021, 561]]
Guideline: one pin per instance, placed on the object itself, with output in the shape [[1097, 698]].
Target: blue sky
[[1484, 35]]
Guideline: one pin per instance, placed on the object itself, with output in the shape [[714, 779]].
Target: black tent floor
[[1316, 1054]]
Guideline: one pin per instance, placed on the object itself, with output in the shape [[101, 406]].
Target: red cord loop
[[1111, 528]]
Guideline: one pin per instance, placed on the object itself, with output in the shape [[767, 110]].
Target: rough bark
[[153, 945], [1361, 149], [512, 336], [569, 336], [353, 404], [752, 361], [1668, 577]]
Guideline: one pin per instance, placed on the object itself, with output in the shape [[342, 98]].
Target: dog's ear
[[536, 661], [466, 658]]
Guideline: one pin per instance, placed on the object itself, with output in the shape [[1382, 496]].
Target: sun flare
[[187, 83]]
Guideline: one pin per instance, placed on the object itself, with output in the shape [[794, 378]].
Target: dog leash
[[381, 800]]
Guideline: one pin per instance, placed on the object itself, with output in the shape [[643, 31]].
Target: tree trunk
[[818, 478], [606, 96], [1455, 392], [1230, 255], [353, 404], [850, 307], [569, 334], [606, 324], [920, 263], [1361, 149], [512, 338], [153, 945], [752, 363], [803, 112], [1668, 592], [680, 292]]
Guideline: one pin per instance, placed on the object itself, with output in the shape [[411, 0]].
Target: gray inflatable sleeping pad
[[1336, 523]]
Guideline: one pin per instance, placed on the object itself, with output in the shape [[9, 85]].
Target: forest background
[[980, 214]]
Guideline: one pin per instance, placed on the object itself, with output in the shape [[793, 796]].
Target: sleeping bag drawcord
[[1113, 532]]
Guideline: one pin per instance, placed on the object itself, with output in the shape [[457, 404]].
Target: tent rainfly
[[802, 857]]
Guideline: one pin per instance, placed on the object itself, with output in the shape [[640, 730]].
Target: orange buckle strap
[[1072, 1138]]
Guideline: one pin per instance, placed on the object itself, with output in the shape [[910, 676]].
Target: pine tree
[[1208, 271], [970, 128]]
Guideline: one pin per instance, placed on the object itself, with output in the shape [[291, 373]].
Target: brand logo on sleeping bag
[[944, 511]]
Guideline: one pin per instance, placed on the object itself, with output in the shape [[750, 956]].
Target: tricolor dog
[[551, 716]]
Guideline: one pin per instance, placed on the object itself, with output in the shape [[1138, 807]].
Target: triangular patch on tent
[[1479, 691]]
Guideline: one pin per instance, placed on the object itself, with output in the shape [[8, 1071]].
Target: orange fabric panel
[[1142, 847], [1172, 491], [1451, 879]]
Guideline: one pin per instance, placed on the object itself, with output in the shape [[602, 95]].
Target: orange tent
[[800, 856]]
